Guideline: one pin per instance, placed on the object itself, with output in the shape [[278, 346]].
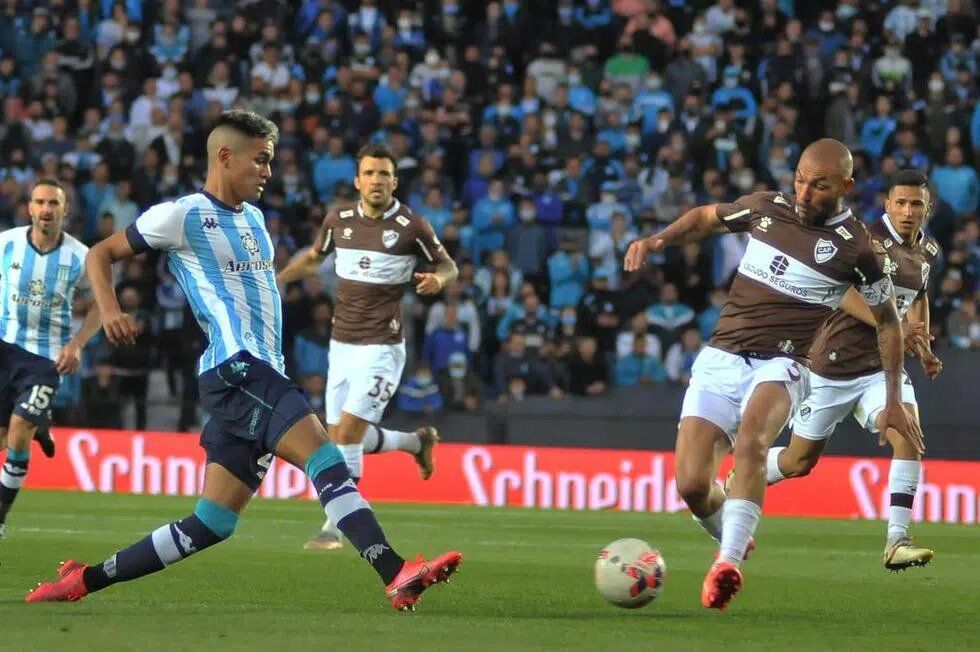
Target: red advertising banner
[[543, 477]]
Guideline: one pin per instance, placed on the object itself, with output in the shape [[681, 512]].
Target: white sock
[[903, 481], [740, 520], [712, 523], [354, 456], [383, 440], [773, 474]]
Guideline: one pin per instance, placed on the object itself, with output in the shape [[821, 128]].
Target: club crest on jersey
[[36, 287], [389, 238], [401, 219], [64, 272], [925, 274], [250, 244], [887, 243], [347, 233], [824, 250]]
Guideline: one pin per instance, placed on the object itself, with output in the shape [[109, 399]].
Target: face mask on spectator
[[132, 35], [312, 97], [574, 79], [432, 58], [699, 28], [826, 25], [565, 13], [654, 83], [846, 12], [608, 198], [405, 24], [362, 49], [632, 141], [411, 103], [568, 320], [936, 86], [527, 214], [730, 82]]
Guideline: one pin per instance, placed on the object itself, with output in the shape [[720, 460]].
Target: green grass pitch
[[526, 584]]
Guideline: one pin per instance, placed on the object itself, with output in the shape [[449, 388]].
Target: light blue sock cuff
[[326, 456], [18, 456], [215, 517]]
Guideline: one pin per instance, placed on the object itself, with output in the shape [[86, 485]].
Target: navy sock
[[12, 478], [209, 524], [352, 514]]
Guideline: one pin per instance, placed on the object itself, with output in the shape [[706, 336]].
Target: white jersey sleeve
[[161, 227]]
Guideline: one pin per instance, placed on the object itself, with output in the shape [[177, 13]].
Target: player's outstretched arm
[[891, 348], [696, 224], [303, 264], [120, 328]]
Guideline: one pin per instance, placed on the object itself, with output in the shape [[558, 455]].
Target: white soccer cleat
[[902, 554], [327, 539]]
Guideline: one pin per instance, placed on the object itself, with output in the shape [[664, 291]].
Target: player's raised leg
[[903, 482], [766, 412], [306, 445], [420, 444], [213, 520]]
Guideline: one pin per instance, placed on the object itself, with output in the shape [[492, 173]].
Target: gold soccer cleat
[[902, 554]]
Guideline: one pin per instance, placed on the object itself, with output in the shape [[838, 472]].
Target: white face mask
[[432, 58], [405, 24], [731, 82], [936, 86], [826, 25], [574, 79], [527, 214], [311, 98], [632, 141], [362, 48]]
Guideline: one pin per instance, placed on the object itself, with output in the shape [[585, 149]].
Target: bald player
[[218, 248], [804, 252]]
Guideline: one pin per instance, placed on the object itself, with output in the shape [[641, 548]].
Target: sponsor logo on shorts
[[805, 413]]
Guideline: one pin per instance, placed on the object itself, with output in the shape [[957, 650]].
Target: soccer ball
[[630, 573]]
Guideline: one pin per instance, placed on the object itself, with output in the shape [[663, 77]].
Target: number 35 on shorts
[[381, 389]]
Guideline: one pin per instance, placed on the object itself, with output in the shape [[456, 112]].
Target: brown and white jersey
[[792, 275], [375, 261], [847, 347]]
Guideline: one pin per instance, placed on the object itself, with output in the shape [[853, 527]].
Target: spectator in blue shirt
[[444, 341], [390, 94], [957, 183], [333, 167], [876, 129], [708, 319], [908, 154], [492, 218], [568, 272], [420, 393], [639, 367], [732, 93], [668, 316]]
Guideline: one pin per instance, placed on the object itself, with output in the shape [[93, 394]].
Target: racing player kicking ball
[[803, 254], [378, 242], [847, 376]]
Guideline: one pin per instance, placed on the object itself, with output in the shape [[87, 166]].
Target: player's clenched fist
[[120, 329]]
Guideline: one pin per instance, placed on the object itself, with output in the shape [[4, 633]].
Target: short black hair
[[375, 150], [908, 177], [248, 123], [49, 181]]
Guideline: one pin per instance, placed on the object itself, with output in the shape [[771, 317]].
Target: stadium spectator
[[638, 367], [587, 371], [460, 387], [681, 355], [419, 394]]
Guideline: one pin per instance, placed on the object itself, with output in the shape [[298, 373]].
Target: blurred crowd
[[539, 138]]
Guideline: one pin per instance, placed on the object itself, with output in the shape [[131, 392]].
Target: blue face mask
[[568, 320]]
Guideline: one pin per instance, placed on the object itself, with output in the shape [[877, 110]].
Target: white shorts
[[722, 382], [362, 379], [831, 401]]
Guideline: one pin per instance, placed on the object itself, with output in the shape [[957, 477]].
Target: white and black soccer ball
[[630, 573]]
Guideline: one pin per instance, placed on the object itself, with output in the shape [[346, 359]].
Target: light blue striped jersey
[[36, 291], [223, 260]]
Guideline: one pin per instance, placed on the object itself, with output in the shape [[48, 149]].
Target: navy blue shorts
[[251, 407], [28, 384]]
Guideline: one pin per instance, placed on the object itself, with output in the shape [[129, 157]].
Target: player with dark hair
[[378, 242], [804, 252], [219, 250], [847, 376], [41, 268]]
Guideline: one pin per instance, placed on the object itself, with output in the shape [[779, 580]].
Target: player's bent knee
[[693, 486]]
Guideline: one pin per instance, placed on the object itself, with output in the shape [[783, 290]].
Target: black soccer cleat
[[44, 438]]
